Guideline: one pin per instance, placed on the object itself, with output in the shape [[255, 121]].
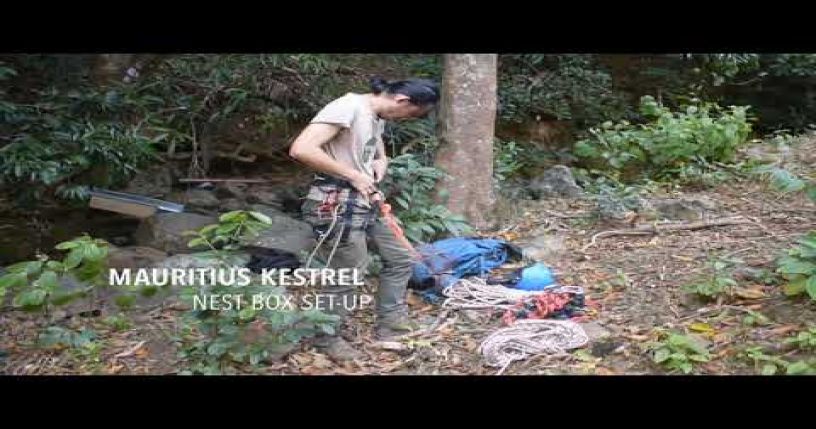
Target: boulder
[[556, 181], [164, 230], [201, 198], [134, 257], [285, 233]]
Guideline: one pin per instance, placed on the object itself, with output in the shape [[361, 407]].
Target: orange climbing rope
[[393, 225]]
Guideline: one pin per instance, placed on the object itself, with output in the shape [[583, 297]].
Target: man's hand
[[364, 184], [380, 167]]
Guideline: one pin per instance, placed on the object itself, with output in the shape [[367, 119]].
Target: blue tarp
[[446, 261]]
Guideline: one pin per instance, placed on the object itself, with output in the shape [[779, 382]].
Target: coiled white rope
[[530, 337], [476, 293]]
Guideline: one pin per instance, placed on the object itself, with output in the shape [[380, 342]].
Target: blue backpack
[[445, 261]]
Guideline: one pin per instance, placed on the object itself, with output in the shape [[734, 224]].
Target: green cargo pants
[[352, 252]]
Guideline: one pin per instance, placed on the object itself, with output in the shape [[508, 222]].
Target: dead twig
[[565, 216], [707, 310], [656, 229]]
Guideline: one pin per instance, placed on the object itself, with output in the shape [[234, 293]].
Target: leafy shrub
[[508, 159], [804, 340], [410, 186], [670, 140], [678, 352], [717, 283], [217, 339], [798, 267], [38, 284]]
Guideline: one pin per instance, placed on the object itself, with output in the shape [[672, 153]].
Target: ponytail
[[419, 91]]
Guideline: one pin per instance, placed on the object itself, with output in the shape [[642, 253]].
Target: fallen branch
[[131, 351], [218, 154], [707, 310], [656, 229]]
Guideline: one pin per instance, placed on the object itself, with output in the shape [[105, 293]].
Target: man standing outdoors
[[344, 144]]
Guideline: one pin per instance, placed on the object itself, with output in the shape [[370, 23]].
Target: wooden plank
[[138, 210]]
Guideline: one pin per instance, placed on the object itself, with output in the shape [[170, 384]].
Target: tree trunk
[[466, 130]]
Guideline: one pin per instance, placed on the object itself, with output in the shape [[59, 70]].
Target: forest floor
[[635, 282]]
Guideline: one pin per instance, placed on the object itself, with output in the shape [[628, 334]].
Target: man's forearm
[[322, 162]]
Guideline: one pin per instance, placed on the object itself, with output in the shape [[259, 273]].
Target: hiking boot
[[393, 326], [337, 349]]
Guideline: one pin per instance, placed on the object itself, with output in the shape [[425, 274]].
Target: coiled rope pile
[[523, 338], [476, 293], [531, 337]]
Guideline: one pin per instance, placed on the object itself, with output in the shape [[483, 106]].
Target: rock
[[285, 233], [120, 240], [164, 230], [231, 190], [543, 247], [202, 198], [605, 347], [557, 181], [233, 204], [156, 182], [614, 208], [267, 210], [267, 197], [595, 332], [200, 260], [134, 257], [687, 209]]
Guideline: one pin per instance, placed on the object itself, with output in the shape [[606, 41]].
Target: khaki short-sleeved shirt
[[356, 143]]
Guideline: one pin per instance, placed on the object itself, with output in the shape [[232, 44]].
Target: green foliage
[[231, 231], [409, 186], [803, 367], [786, 181], [755, 318], [677, 352], [717, 282], [217, 339], [770, 364], [557, 86], [67, 140], [798, 267], [38, 284], [804, 340], [55, 336], [66, 134], [118, 322], [701, 132], [508, 159], [418, 137]]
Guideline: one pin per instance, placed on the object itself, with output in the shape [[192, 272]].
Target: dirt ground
[[634, 282]]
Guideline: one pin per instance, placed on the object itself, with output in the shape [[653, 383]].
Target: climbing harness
[[329, 208], [531, 337]]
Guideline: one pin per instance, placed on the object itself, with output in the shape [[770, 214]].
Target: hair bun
[[378, 85]]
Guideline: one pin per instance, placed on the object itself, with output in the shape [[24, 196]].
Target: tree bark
[[466, 130]]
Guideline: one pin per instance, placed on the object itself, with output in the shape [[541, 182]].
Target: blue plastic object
[[446, 261], [536, 277]]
